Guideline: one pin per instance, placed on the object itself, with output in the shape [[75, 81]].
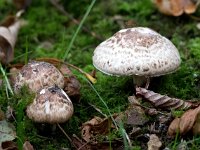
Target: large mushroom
[[51, 105], [138, 51], [37, 75]]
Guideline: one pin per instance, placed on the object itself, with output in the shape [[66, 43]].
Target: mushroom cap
[[37, 75], [51, 105], [136, 51]]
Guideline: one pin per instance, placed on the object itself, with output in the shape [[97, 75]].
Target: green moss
[[52, 26]]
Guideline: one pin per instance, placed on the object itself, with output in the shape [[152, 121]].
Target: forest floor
[[49, 33]]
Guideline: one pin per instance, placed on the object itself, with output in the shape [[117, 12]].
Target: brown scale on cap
[[37, 75], [51, 105], [137, 51]]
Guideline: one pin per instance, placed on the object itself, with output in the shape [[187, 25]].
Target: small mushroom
[[37, 75], [51, 105], [138, 51]]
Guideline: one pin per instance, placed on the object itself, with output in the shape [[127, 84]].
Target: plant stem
[[78, 29]]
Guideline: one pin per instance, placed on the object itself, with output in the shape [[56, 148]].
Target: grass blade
[[78, 29], [6, 79]]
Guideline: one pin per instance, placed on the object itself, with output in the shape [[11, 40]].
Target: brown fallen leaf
[[80, 144], [72, 85], [196, 126], [27, 146], [174, 127], [95, 126], [8, 37], [154, 142], [8, 145], [163, 101], [189, 121], [133, 115], [176, 7]]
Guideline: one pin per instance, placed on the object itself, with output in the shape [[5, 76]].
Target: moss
[[52, 26]]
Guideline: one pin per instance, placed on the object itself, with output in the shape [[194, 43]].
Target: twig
[[83, 145], [97, 109], [66, 135], [75, 21]]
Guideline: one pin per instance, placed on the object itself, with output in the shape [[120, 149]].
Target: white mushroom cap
[[136, 51], [37, 75], [51, 105]]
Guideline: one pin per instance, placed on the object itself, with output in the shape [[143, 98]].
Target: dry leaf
[[174, 127], [27, 146], [196, 126], [86, 129], [176, 7], [154, 142], [8, 145], [134, 114], [72, 85], [8, 37], [163, 101], [80, 144], [96, 126], [187, 122]]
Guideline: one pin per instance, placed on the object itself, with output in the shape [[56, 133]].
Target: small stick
[[83, 145], [66, 135], [62, 10], [97, 109]]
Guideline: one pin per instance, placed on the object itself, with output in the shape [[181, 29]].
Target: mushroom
[[37, 75], [138, 51], [51, 105]]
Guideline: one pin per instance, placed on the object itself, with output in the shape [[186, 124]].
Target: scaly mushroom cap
[[136, 51], [51, 105], [37, 75]]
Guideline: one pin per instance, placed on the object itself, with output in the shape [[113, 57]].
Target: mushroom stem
[[147, 82], [141, 81]]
